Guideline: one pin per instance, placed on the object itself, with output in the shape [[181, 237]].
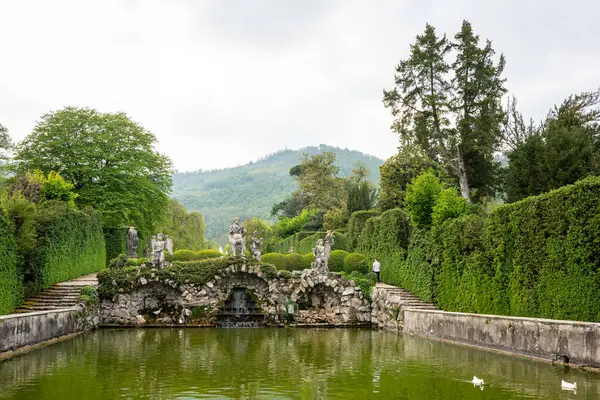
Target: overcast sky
[[223, 82]]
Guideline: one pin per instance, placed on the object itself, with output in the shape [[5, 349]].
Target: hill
[[251, 190]]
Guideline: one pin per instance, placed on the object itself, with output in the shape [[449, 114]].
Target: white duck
[[567, 385], [476, 381]]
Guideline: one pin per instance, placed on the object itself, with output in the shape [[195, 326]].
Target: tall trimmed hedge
[[539, 257], [11, 288], [70, 244], [356, 225]]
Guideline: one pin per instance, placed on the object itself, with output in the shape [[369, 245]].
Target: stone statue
[[329, 239], [320, 263], [132, 243], [147, 252], [160, 243], [291, 250], [255, 244], [237, 238]]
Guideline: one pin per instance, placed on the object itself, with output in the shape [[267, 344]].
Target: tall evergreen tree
[[451, 111]]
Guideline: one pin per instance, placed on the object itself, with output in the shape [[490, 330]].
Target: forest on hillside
[[251, 190]]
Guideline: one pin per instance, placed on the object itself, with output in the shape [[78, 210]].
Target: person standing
[[377, 269]]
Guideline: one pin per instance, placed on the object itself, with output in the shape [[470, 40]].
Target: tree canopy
[[451, 109], [110, 160]]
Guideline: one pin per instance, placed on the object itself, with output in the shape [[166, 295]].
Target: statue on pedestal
[[132, 243], [329, 239], [160, 243], [255, 244], [320, 263], [237, 238]]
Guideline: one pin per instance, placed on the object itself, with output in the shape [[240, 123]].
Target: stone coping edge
[[34, 313], [506, 352], [505, 317], [7, 355]]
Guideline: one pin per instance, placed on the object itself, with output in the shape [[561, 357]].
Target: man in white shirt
[[377, 269]]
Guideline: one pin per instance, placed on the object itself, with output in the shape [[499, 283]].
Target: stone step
[[51, 301], [42, 308]]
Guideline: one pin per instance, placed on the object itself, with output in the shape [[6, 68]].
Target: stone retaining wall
[[563, 341], [21, 330]]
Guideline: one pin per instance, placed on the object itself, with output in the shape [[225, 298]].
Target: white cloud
[[224, 82]]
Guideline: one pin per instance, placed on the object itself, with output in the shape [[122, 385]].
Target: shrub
[[11, 289], [277, 259], [355, 262], [208, 253], [336, 260], [89, 295], [293, 262], [421, 196], [118, 262], [185, 255], [307, 260]]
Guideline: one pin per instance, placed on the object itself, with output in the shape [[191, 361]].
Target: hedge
[[307, 260], [539, 257], [356, 262], [11, 288], [336, 260], [70, 244], [288, 262], [356, 224], [304, 242], [190, 255]]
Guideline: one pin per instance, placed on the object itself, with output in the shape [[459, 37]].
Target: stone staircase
[[61, 295], [389, 301]]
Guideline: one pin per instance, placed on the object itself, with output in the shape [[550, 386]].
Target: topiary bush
[[185, 255], [355, 262], [336, 260], [307, 260], [293, 262], [208, 253], [277, 259]]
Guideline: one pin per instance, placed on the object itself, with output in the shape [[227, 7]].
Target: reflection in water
[[277, 363]]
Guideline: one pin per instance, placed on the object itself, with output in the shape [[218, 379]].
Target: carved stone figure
[[255, 244], [147, 252], [132, 243], [237, 238], [160, 243], [291, 250], [329, 240], [320, 263]]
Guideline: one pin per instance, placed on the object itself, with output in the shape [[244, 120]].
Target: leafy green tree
[[186, 229], [263, 228], [318, 181], [448, 205], [421, 196], [451, 111], [397, 173], [6, 146], [110, 160], [563, 149]]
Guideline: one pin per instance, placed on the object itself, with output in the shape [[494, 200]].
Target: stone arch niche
[[239, 299], [318, 304]]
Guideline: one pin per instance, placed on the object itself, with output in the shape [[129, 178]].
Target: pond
[[273, 363]]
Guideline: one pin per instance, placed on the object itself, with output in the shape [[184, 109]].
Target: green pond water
[[277, 364]]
